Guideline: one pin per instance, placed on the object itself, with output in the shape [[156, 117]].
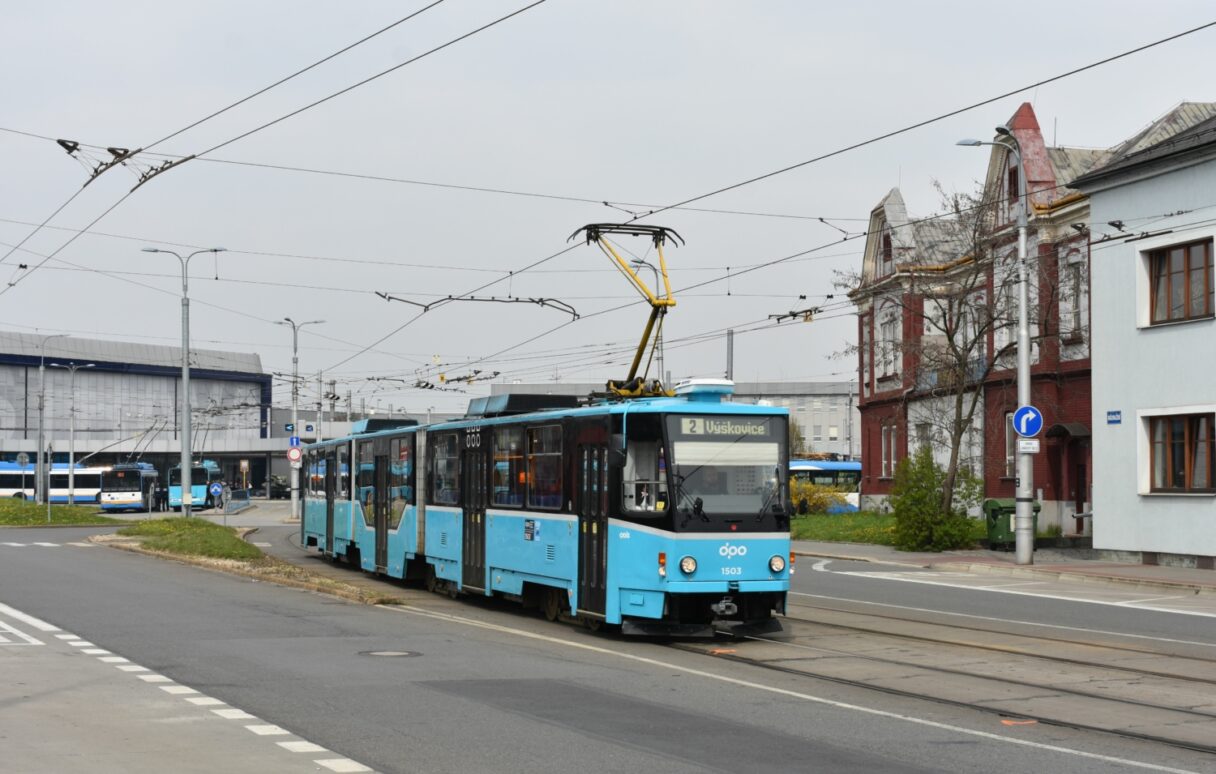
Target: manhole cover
[[390, 653]]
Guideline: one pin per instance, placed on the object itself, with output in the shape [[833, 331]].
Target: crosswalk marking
[[11, 635]]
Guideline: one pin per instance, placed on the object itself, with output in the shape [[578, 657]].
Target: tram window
[[365, 478], [545, 467], [400, 477], [510, 475], [342, 474], [445, 471]]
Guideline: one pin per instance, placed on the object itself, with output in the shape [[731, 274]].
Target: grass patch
[[192, 537], [26, 513], [861, 527]]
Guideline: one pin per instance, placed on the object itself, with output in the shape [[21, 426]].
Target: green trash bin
[[998, 513]]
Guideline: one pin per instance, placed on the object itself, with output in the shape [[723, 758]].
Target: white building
[[1154, 341]]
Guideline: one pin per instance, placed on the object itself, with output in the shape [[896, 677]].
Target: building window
[[1181, 279], [1183, 453], [888, 253], [923, 435], [888, 343], [890, 436], [1011, 447], [833, 433], [866, 356]]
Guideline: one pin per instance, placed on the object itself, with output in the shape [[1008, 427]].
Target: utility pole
[[320, 415], [295, 403], [43, 472], [72, 427], [730, 354]]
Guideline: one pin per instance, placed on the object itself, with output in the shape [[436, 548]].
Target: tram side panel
[[532, 547]]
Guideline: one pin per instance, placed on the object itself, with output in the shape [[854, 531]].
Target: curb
[[851, 558], [1018, 572]]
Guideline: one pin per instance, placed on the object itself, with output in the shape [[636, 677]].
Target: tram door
[[331, 486], [593, 527], [381, 509], [473, 498]]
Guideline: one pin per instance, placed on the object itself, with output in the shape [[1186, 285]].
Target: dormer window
[[1011, 193], [887, 253]]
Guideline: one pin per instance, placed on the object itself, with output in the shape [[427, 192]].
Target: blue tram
[[202, 474], [663, 515]]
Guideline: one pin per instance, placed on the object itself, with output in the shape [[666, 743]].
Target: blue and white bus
[[129, 486], [665, 515], [20, 481], [201, 475], [842, 475]]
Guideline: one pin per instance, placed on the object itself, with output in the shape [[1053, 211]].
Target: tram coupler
[[724, 608]]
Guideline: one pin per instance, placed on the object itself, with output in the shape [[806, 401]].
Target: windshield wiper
[[771, 494], [682, 497]]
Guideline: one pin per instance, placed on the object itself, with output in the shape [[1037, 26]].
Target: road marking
[[15, 545], [154, 678], [342, 765], [27, 619], [178, 690], [19, 634], [821, 565], [911, 578], [95, 652], [263, 545], [1006, 620], [81, 644], [423, 613], [112, 660], [82, 545], [204, 701], [66, 636], [132, 668], [268, 730], [233, 714], [47, 545], [301, 746]]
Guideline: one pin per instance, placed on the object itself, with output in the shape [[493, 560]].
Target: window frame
[[515, 487], [1159, 269], [548, 455], [1011, 447], [437, 442], [1191, 422], [890, 452]]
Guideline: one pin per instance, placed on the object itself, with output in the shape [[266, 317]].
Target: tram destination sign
[[731, 426]]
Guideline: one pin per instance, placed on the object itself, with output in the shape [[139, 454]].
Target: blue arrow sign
[[293, 440], [216, 489], [1028, 421], [289, 427]]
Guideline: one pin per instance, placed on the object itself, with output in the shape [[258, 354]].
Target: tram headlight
[[777, 563], [688, 565]]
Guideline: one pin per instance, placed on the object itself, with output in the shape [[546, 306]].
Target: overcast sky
[[646, 102]]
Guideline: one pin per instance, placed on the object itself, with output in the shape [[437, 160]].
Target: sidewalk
[[1050, 563]]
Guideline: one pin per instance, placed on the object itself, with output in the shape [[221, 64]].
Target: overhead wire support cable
[[297, 73], [929, 121], [549, 302]]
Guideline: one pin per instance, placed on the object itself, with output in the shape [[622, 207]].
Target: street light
[[1023, 520], [295, 402], [41, 493], [72, 426], [659, 334], [187, 499]]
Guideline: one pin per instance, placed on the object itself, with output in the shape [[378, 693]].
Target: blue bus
[[129, 486], [844, 475], [663, 515], [201, 475]]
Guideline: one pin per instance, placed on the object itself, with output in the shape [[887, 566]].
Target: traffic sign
[[1027, 421], [216, 489], [289, 428], [1028, 445], [297, 464], [293, 441], [23, 459], [294, 454]]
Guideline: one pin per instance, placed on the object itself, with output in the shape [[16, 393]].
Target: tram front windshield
[[198, 476], [726, 472]]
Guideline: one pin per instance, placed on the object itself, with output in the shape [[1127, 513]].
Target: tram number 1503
[[732, 570]]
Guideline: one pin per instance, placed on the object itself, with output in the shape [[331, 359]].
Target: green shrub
[[921, 524], [815, 497]]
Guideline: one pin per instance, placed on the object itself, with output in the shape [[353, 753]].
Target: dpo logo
[[730, 552]]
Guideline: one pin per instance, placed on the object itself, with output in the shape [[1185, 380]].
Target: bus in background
[[201, 476], [86, 480], [128, 486], [20, 481], [842, 475]]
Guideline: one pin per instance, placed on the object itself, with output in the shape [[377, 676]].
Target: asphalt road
[[473, 687]]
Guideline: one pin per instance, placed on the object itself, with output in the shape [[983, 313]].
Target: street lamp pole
[[186, 463], [1023, 516], [41, 470], [295, 402], [658, 334], [72, 426]]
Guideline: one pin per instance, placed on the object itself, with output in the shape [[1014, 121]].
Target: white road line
[[95, 651], [27, 619], [14, 545], [410, 610], [132, 668], [47, 545], [911, 579], [178, 690], [268, 730], [263, 545], [204, 701], [112, 660], [821, 565], [233, 714], [154, 678], [66, 636], [302, 746], [81, 644], [19, 634], [1005, 620], [1133, 602], [342, 765], [82, 545]]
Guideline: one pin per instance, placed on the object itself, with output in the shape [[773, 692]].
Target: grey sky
[[648, 102]]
